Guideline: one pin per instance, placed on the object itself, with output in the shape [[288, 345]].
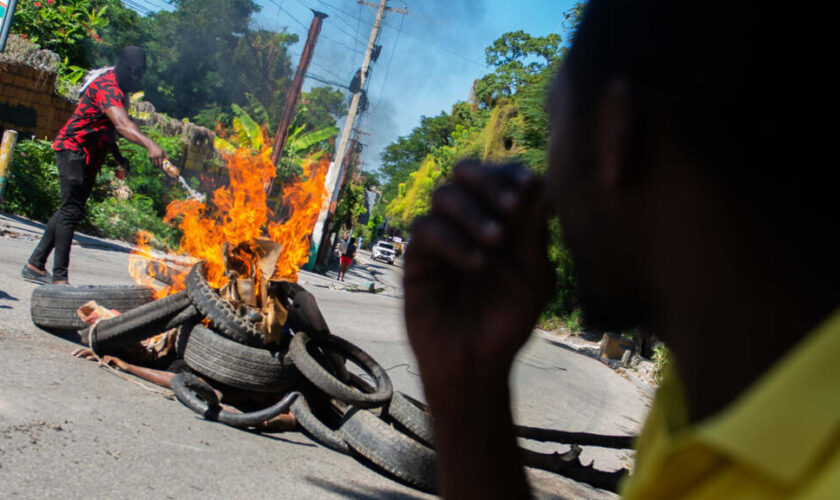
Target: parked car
[[384, 250]]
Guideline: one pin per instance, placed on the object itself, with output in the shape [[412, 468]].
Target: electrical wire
[[317, 65], [353, 37], [359, 23], [407, 33], [305, 27], [328, 82], [388, 67], [137, 7], [441, 47], [344, 45]]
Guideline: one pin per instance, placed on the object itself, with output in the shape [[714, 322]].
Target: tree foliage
[[506, 121]]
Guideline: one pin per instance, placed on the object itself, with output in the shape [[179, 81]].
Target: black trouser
[[76, 180]]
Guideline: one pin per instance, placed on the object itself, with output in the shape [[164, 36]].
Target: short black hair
[[737, 85]]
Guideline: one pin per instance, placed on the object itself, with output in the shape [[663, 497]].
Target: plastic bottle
[[170, 169]]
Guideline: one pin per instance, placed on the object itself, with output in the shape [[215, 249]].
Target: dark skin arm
[[128, 129], [476, 278]]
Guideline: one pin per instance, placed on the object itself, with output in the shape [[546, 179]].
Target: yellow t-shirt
[[780, 439]]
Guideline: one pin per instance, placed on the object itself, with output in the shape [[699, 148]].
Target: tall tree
[[204, 54]]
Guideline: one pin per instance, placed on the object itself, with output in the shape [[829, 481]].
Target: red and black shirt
[[89, 131]]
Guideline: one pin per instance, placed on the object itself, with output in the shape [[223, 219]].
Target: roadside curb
[[612, 364]]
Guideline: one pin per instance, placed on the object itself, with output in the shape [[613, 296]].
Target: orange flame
[[237, 214]]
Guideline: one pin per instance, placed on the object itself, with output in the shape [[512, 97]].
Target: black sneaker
[[30, 275]]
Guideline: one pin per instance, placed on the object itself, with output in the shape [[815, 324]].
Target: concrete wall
[[28, 103]]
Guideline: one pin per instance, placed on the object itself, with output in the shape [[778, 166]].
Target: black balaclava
[[130, 68]]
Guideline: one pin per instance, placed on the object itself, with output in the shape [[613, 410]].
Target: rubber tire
[[317, 430], [305, 316], [408, 414], [222, 316], [54, 306], [237, 365], [332, 386], [139, 323], [392, 451], [324, 431], [198, 396]]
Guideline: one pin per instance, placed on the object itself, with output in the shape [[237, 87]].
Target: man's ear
[[613, 149]]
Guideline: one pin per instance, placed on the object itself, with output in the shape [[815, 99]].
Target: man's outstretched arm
[[476, 278], [128, 129]]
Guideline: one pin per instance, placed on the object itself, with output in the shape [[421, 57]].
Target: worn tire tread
[[331, 385], [413, 419], [394, 452], [138, 324], [317, 430], [54, 306], [224, 318], [237, 365]]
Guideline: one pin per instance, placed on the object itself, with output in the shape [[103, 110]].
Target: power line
[[328, 82], [441, 47], [148, 5], [352, 49], [388, 67], [137, 7], [340, 11], [313, 63], [305, 27], [408, 33], [359, 23], [349, 23]]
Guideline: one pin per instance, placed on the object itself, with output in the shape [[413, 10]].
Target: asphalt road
[[71, 429]]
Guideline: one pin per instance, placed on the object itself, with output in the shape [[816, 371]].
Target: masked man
[[81, 148]]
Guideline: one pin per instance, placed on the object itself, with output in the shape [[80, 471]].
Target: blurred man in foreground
[[692, 195]]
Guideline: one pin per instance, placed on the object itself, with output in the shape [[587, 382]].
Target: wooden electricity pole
[[334, 175], [293, 96]]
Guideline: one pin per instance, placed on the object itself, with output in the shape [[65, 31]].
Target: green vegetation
[[33, 191], [660, 361], [203, 57], [206, 63], [506, 120]]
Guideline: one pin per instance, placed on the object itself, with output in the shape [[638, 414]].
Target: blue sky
[[429, 58]]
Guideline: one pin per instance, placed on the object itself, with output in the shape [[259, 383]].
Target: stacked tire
[[306, 370]]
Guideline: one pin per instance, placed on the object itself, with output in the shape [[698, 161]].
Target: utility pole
[[294, 93], [334, 176], [350, 160]]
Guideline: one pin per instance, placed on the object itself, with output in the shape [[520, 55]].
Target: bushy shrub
[[146, 179], [121, 219], [33, 189], [660, 361], [60, 26]]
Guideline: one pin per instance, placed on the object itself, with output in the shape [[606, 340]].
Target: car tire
[[329, 383], [222, 316], [390, 450], [54, 306], [316, 429], [198, 396], [243, 367], [140, 323], [411, 416]]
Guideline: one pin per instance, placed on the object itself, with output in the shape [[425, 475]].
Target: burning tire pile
[[299, 377], [258, 354]]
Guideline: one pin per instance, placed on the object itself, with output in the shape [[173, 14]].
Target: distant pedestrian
[[80, 149], [347, 258]]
